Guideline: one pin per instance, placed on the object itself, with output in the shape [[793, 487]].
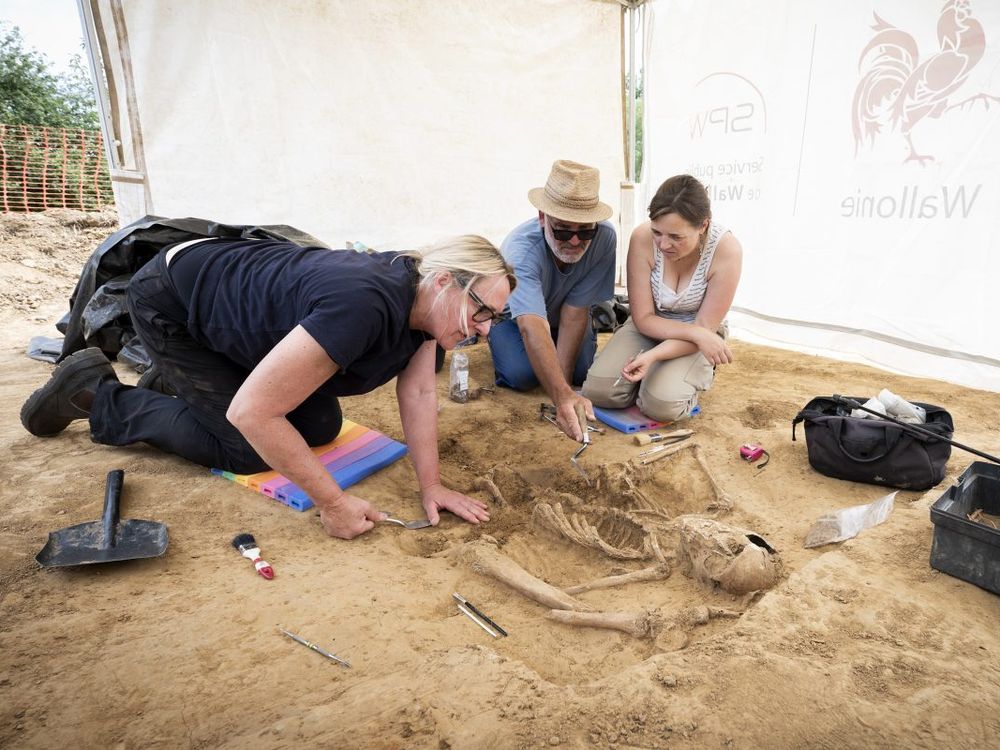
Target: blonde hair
[[468, 258]]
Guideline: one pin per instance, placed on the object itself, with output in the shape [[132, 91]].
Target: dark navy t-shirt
[[244, 296]]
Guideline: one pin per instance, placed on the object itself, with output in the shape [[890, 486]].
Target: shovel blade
[[84, 544]]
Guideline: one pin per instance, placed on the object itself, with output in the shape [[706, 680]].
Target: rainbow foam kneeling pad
[[356, 453]]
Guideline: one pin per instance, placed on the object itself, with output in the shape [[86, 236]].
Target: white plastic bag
[[848, 522], [901, 409]]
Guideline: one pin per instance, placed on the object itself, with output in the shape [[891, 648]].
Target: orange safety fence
[[42, 167]]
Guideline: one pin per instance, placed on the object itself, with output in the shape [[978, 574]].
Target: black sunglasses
[[565, 235], [484, 312]]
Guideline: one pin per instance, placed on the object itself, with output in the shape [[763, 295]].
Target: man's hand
[[566, 415], [349, 516], [437, 497]]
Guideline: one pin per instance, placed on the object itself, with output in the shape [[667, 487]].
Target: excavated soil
[[858, 645]]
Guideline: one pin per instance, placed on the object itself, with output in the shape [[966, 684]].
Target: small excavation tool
[[111, 539], [247, 546], [421, 523], [469, 610], [548, 411], [582, 416], [662, 437], [312, 646], [661, 451], [618, 382]]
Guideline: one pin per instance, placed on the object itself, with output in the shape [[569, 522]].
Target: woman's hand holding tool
[[625, 368]]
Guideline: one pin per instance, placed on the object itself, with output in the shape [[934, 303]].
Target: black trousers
[[193, 424]]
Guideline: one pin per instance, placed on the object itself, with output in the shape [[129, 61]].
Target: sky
[[52, 27]]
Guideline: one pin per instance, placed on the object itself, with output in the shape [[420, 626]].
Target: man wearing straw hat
[[564, 261]]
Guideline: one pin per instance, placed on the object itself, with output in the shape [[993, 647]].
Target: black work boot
[[68, 394]]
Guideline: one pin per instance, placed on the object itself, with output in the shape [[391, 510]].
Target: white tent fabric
[[854, 150], [387, 123]]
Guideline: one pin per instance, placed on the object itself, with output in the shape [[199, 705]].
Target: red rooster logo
[[897, 90]]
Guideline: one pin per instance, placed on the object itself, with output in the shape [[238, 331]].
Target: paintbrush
[[246, 545]]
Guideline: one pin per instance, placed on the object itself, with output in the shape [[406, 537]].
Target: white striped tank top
[[684, 306]]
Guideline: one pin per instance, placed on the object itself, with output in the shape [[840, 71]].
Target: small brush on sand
[[246, 545]]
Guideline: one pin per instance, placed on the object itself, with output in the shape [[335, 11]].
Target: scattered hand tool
[[421, 523], [662, 437], [109, 540], [581, 415], [662, 451], [469, 610], [548, 411], [246, 545], [314, 647]]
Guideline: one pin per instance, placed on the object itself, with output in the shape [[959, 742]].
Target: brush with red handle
[[247, 546]]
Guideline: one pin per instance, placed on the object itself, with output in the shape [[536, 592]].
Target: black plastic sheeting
[[609, 316], [97, 315]]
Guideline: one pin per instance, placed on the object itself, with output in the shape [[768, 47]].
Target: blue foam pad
[[631, 419]]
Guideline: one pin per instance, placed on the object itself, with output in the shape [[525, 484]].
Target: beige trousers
[[668, 392]]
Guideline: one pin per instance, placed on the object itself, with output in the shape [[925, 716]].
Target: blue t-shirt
[[247, 295], [542, 289]]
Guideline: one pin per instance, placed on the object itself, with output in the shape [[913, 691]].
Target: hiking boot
[[52, 407]]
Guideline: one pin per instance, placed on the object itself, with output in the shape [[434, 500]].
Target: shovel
[[109, 540]]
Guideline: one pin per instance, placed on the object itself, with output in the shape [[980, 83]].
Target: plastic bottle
[[458, 382]]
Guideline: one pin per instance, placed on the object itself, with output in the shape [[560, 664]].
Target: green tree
[[30, 94], [78, 95], [50, 144]]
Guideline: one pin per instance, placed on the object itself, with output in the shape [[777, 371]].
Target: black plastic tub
[[968, 549]]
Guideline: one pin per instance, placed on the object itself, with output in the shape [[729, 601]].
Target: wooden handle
[[668, 450], [655, 437], [581, 417]]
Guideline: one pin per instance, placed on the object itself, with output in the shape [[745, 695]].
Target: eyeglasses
[[565, 235], [484, 312]]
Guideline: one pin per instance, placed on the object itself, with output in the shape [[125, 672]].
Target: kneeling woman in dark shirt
[[259, 338]]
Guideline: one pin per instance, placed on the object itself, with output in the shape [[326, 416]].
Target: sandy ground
[[860, 645]]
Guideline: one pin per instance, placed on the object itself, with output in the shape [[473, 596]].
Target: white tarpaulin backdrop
[[852, 147], [858, 166], [383, 122]]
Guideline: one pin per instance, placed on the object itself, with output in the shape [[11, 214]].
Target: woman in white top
[[683, 270]]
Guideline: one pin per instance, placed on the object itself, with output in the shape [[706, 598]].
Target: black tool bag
[[874, 450]]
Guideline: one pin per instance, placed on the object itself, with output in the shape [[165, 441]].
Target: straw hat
[[571, 194]]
